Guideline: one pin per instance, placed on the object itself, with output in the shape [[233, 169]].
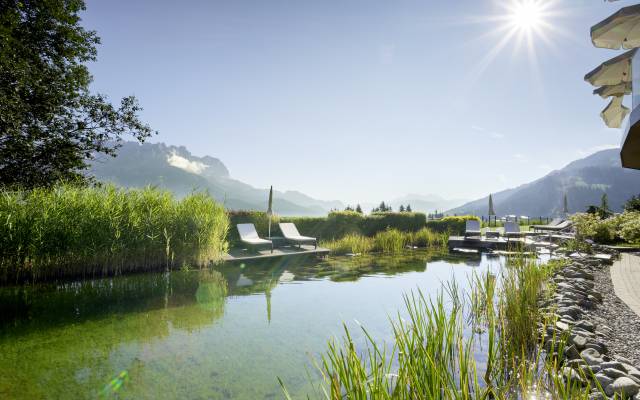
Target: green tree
[[401, 209], [409, 208], [604, 210], [359, 209], [633, 204], [50, 123]]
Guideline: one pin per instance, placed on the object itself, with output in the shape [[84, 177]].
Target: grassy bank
[[432, 357], [86, 231], [387, 241]]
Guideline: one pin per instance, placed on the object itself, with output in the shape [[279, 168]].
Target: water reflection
[[74, 302], [216, 333]]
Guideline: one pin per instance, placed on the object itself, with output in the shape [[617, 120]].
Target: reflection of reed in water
[[210, 299]]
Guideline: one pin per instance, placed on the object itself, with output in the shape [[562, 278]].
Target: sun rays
[[522, 28]]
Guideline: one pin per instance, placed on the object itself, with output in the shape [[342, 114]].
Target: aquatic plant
[[388, 241], [432, 358], [427, 238], [352, 243], [391, 241], [88, 231]]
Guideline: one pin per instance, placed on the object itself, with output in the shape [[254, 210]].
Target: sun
[[527, 14]]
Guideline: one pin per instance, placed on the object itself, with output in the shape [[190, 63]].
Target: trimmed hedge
[[336, 225], [451, 225], [406, 222]]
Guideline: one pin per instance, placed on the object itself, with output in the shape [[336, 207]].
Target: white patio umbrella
[[620, 89], [620, 30], [614, 113], [612, 72]]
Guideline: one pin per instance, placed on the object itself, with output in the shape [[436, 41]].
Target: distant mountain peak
[[176, 169], [583, 181]]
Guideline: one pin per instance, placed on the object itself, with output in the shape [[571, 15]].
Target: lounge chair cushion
[[248, 234], [290, 232]]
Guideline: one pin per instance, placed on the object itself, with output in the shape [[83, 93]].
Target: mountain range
[[583, 181], [176, 169]]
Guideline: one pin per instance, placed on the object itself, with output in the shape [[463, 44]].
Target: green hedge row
[[451, 225], [335, 226]]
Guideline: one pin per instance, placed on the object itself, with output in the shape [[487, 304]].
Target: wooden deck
[[289, 251], [459, 242]]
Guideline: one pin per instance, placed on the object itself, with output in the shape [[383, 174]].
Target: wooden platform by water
[[289, 251], [460, 242]]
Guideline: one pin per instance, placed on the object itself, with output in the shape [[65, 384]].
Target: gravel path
[[614, 313]]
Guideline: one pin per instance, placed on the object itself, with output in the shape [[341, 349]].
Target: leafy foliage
[[50, 122], [633, 204], [451, 225], [622, 227]]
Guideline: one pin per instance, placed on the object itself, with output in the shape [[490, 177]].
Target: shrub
[[630, 226], [451, 225], [307, 226], [404, 221], [591, 226], [341, 223], [70, 231], [633, 204]]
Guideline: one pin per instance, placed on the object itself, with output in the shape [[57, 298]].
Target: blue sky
[[360, 100]]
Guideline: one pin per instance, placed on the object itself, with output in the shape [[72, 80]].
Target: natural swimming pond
[[228, 332]]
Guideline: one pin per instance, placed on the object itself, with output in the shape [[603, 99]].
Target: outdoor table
[[278, 241]]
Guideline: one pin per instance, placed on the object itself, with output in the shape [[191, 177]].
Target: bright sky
[[363, 100]]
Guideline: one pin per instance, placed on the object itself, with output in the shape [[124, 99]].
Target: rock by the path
[[572, 375], [591, 356], [614, 373], [603, 380], [623, 386]]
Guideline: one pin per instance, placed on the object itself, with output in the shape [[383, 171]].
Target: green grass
[[89, 231], [431, 358], [390, 241]]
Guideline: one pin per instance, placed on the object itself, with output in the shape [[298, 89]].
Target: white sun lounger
[[249, 236], [472, 228], [511, 229], [291, 234], [553, 222], [559, 227]]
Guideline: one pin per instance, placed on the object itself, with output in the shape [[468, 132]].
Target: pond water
[[223, 333]]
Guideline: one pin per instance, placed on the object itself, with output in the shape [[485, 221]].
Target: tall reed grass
[[87, 231], [434, 356], [388, 241]]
